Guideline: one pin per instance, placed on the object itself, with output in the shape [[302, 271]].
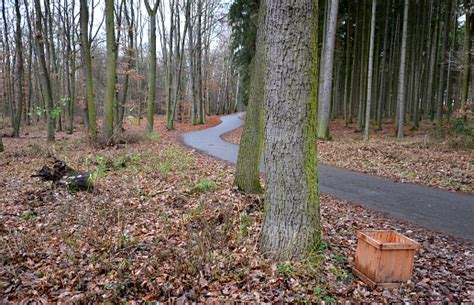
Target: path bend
[[437, 209]]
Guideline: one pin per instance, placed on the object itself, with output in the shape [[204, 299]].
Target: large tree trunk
[[111, 72], [202, 114], [247, 175], [152, 60], [370, 72], [401, 73], [327, 71], [87, 66], [291, 227], [19, 71], [441, 60], [192, 70], [467, 57], [44, 74], [382, 69]]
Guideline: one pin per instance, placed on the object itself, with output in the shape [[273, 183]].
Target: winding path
[[433, 208]]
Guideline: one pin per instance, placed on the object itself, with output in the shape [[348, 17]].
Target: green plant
[[329, 299], [99, 172], [339, 273], [286, 269], [164, 168], [302, 299], [28, 215], [153, 136], [205, 185], [243, 226]]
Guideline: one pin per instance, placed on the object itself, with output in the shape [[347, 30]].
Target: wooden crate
[[384, 258]]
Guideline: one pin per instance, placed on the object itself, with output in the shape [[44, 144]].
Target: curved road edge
[[440, 210]]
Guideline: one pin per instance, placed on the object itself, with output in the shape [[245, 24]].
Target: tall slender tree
[[291, 227], [467, 54], [44, 73], [111, 70], [370, 72], [19, 71], [247, 175], [87, 66], [152, 61], [401, 73], [325, 89]]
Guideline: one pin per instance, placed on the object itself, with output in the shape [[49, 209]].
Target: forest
[[196, 151]]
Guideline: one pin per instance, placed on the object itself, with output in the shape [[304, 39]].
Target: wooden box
[[384, 258]]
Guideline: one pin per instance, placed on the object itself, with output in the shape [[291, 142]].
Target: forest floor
[[419, 158], [164, 222]]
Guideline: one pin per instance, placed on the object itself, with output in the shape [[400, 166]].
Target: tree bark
[[370, 72], [87, 66], [247, 175], [401, 73], [111, 72], [152, 60], [44, 74], [19, 71], [467, 57], [327, 72], [291, 228]]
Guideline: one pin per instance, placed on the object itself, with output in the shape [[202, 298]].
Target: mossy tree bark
[[87, 66], [111, 72], [291, 226], [247, 175], [152, 61]]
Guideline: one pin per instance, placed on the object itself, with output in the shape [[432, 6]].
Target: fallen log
[[62, 175]]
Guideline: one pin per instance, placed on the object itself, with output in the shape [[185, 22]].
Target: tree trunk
[[202, 114], [87, 65], [382, 69], [467, 58], [111, 72], [44, 74], [441, 60], [291, 228], [152, 62], [327, 72], [370, 72], [401, 73], [247, 175], [19, 71]]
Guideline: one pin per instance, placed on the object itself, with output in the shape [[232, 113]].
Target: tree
[[325, 89], [243, 19], [1, 144], [87, 65], [152, 61], [442, 59], [291, 226], [247, 174], [467, 55], [370, 72], [401, 73], [110, 70], [19, 71], [44, 73], [202, 114]]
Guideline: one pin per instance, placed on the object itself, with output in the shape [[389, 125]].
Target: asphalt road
[[436, 209]]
